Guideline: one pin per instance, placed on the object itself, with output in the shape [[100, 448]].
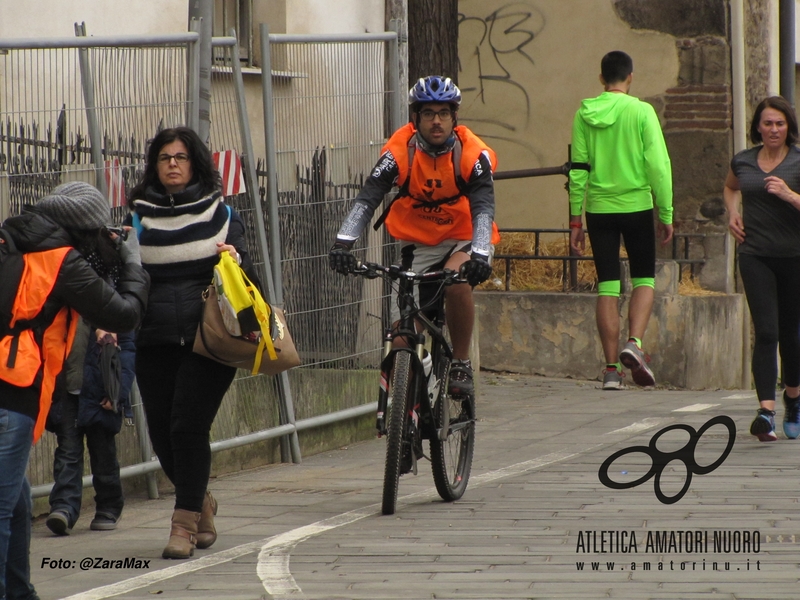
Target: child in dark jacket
[[91, 414]]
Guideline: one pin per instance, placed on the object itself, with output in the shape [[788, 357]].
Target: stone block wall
[[695, 342]]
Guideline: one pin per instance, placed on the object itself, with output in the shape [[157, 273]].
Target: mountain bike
[[417, 405]]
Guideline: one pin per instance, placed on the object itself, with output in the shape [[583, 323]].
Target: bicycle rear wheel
[[451, 459], [402, 401]]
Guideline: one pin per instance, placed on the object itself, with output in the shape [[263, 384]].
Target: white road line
[[273, 560], [274, 552], [740, 396], [640, 426], [695, 407]]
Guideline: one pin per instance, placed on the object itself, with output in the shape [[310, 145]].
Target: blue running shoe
[[791, 417], [763, 426]]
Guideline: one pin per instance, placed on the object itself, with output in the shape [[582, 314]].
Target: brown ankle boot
[[183, 534], [206, 533]]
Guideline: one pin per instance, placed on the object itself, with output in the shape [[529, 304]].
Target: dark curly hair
[[779, 104], [203, 170]]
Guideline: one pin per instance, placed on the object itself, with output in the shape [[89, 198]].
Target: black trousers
[[772, 287], [181, 392], [67, 489], [638, 232]]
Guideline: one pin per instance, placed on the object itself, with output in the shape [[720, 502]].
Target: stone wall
[[695, 342]]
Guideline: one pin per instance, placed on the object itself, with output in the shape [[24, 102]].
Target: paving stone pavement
[[531, 524]]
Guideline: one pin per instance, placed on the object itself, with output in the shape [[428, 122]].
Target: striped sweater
[[179, 233]]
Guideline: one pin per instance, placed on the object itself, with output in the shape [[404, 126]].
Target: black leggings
[[772, 287], [181, 392], [639, 233]]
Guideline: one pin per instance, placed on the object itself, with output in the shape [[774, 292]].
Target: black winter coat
[[77, 286]]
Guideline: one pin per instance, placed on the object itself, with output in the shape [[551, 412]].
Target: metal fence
[[84, 109], [332, 102], [684, 253]]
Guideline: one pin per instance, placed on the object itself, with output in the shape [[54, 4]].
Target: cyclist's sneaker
[[791, 417], [636, 360], [461, 378], [763, 426], [612, 378]]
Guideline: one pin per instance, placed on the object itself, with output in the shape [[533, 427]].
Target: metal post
[[272, 163], [787, 49], [573, 265], [274, 218], [738, 82], [87, 84], [193, 79], [144, 441], [202, 11], [397, 92], [284, 388]]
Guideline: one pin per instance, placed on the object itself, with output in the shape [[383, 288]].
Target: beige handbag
[[214, 341]]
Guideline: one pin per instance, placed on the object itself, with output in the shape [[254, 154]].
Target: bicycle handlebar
[[373, 270]]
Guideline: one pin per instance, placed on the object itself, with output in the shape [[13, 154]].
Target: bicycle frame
[[421, 408], [410, 316]]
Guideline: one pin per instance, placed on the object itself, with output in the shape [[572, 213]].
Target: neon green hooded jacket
[[621, 139]]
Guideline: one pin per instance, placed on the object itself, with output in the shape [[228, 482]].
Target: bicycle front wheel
[[397, 431], [451, 459]]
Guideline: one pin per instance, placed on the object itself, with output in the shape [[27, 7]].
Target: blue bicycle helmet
[[435, 89]]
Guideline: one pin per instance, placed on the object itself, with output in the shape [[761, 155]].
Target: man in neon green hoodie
[[621, 139]]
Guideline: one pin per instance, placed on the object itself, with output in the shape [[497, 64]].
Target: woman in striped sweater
[[183, 226]]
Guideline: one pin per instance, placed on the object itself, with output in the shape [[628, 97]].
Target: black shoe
[[763, 426], [406, 462], [461, 383], [58, 523], [104, 521]]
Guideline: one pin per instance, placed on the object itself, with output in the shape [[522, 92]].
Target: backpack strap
[[11, 266]]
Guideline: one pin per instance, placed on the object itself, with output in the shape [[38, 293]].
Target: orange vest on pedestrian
[[416, 217], [24, 359]]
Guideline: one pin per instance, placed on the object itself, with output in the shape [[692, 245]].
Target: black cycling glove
[[476, 270], [340, 258]]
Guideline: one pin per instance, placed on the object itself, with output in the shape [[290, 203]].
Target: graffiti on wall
[[495, 52]]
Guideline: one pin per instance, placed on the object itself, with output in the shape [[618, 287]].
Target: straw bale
[[547, 275]]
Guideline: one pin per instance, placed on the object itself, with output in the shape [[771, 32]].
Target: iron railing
[[681, 243]]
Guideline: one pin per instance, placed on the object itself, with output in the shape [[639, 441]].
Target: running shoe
[[633, 358], [461, 383], [612, 379], [763, 426], [791, 417]]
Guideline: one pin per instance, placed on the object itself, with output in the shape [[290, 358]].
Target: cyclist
[[443, 214]]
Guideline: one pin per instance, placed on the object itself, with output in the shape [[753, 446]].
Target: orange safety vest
[[418, 217], [23, 359]]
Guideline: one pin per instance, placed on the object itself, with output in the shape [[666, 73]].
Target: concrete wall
[[695, 342]]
